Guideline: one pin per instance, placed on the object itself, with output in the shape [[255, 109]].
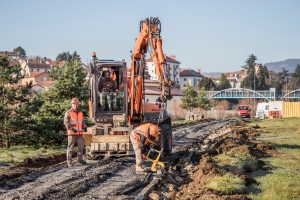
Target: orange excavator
[[117, 112]]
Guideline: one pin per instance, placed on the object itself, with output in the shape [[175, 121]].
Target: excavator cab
[[110, 89]]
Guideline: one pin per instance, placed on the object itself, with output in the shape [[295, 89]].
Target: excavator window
[[111, 89]]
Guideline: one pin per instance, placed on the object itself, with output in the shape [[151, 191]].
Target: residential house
[[46, 84], [173, 67], [12, 55], [152, 94], [35, 78], [189, 76]]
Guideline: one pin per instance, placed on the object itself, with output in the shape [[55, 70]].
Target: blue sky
[[211, 35]]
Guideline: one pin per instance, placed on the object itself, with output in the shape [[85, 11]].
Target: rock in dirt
[[153, 196]]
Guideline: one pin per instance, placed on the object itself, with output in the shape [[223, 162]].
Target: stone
[[170, 187], [153, 196], [27, 179], [179, 179]]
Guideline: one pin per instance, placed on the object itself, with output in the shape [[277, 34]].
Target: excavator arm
[[148, 38]]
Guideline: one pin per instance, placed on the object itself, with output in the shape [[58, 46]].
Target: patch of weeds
[[228, 184]]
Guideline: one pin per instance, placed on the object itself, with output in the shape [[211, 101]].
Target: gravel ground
[[98, 179]]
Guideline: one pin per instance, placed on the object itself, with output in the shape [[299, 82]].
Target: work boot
[[70, 165], [83, 162], [140, 170]]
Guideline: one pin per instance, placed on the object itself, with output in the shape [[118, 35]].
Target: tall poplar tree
[[224, 82]]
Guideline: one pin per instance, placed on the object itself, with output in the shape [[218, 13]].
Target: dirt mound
[[188, 180]]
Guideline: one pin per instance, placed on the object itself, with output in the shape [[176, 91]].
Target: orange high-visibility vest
[[76, 120], [141, 130]]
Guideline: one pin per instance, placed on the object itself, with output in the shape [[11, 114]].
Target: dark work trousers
[[71, 142]]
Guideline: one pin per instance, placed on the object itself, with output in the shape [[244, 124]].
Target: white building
[[172, 65], [189, 76]]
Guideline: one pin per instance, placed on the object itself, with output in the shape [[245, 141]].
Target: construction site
[[185, 173], [203, 157]]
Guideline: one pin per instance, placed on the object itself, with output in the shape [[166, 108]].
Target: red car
[[243, 111]]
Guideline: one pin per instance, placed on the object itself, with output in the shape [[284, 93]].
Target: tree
[[146, 74], [295, 78], [53, 104], [207, 84], [192, 99], [20, 50], [248, 81], [14, 115], [66, 56], [224, 82], [262, 74]]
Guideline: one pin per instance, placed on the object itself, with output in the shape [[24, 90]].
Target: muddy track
[[104, 179]]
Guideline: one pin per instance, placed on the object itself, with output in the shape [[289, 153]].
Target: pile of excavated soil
[[186, 179]]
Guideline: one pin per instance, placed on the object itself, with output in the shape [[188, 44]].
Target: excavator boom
[[149, 38]]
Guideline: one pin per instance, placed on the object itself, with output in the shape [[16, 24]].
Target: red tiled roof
[[34, 74], [39, 65], [46, 83], [50, 62], [272, 73], [13, 63], [153, 90], [168, 59], [2, 53]]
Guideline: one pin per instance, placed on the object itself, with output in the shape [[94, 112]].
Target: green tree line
[[38, 121]]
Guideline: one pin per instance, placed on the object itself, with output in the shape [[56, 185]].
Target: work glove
[[74, 130], [85, 129], [144, 150]]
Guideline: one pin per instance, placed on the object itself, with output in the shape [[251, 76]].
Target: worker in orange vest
[[75, 125], [139, 137]]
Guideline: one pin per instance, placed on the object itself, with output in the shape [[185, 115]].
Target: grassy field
[[17, 154], [283, 181]]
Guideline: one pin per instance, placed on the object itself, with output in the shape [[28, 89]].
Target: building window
[[147, 100], [31, 70], [45, 78], [152, 71], [38, 70], [184, 79], [184, 85], [45, 70]]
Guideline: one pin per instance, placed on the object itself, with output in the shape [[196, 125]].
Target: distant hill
[[288, 64], [214, 74]]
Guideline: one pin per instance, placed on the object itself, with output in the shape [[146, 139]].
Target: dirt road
[[98, 179]]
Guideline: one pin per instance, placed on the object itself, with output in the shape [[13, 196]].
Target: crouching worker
[[139, 137], [75, 125]]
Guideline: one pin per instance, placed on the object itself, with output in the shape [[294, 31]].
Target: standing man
[[107, 86], [139, 137], [75, 125]]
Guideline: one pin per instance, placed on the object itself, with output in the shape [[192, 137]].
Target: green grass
[[283, 181], [17, 154], [228, 184]]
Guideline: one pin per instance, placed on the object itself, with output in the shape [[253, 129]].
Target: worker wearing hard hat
[[75, 125], [139, 137], [107, 86]]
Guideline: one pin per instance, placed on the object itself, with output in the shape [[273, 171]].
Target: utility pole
[[286, 88], [254, 92]]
